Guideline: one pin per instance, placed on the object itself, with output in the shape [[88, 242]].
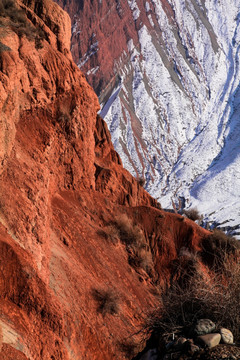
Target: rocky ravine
[[61, 187], [169, 70]]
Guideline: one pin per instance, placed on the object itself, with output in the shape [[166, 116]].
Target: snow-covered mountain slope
[[167, 74], [176, 119]]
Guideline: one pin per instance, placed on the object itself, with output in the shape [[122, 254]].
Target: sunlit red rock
[[61, 182]]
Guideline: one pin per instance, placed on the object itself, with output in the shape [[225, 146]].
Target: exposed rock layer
[[61, 182]]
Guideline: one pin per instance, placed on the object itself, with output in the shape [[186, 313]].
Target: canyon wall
[[63, 197]]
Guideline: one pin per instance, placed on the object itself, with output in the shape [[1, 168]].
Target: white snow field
[[175, 117]]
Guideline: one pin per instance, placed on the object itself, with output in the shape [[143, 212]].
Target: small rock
[[192, 349], [210, 340], [204, 326], [180, 341], [189, 347], [227, 336]]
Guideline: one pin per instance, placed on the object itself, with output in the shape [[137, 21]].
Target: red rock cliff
[[61, 185]]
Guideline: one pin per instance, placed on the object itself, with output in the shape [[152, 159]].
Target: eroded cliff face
[[170, 73], [61, 185]]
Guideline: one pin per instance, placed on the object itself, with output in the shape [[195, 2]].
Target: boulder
[[209, 340], [203, 327], [226, 336]]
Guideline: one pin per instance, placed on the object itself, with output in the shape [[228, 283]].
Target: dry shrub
[[18, 20], [141, 181], [184, 267], [132, 236], [215, 296], [129, 234], [110, 233], [9, 9], [4, 47], [193, 214], [107, 300], [217, 248], [141, 259]]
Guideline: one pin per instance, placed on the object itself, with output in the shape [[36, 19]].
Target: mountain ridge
[[172, 78]]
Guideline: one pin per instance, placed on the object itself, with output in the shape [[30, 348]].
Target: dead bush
[[107, 300], [215, 296], [141, 181], [184, 267], [110, 233], [157, 205], [129, 234], [132, 236], [17, 19], [4, 47], [217, 248], [193, 214], [9, 9], [141, 259]]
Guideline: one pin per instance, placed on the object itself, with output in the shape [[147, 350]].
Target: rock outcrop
[[61, 184]]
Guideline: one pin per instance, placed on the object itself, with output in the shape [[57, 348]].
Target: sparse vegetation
[[4, 47], [129, 234], [213, 294], [110, 233], [18, 22], [158, 206], [141, 181], [218, 248], [132, 236], [193, 214], [141, 258], [107, 301]]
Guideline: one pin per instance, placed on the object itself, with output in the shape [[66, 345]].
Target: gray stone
[[227, 336], [204, 326], [210, 340]]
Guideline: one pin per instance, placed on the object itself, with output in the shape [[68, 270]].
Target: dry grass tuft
[[212, 294], [217, 248], [139, 255], [110, 233], [17, 20], [193, 214], [107, 300], [141, 181], [129, 234]]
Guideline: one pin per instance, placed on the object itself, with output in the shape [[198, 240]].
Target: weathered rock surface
[[210, 340], [204, 326], [61, 182], [226, 336]]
